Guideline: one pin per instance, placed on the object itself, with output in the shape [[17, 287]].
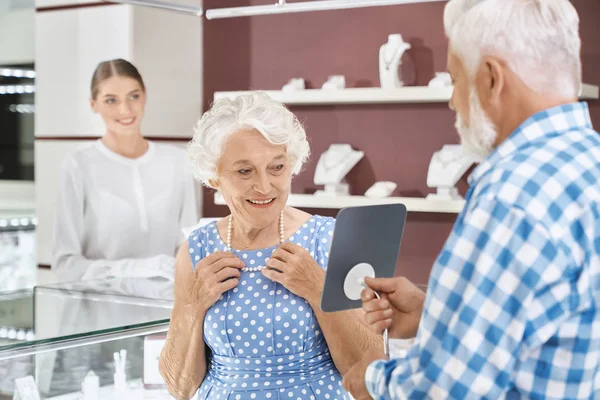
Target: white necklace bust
[[390, 55], [334, 164], [446, 167]]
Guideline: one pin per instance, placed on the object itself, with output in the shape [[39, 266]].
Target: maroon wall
[[264, 52]]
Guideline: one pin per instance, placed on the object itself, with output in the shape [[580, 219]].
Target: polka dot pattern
[[265, 341]]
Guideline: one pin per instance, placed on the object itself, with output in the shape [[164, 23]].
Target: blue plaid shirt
[[513, 297]]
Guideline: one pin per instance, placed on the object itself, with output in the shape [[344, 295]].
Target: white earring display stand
[[294, 84], [354, 285], [332, 168], [441, 80], [381, 190], [390, 55], [26, 389], [335, 82], [447, 166], [90, 387]]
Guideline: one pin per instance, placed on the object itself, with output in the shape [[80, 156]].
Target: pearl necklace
[[230, 225]]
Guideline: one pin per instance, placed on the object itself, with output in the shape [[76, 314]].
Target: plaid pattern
[[512, 304]]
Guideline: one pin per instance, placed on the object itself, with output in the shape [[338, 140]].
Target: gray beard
[[479, 136]]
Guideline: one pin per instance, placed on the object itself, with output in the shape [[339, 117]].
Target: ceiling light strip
[[17, 89], [17, 73], [323, 5], [163, 5]]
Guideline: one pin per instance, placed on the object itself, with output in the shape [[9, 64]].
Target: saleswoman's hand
[[213, 276], [294, 268]]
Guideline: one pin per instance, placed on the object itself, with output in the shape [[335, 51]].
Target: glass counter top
[[67, 314]]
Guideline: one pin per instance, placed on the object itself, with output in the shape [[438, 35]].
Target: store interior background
[[186, 59]]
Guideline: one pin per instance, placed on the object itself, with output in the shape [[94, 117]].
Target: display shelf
[[371, 95], [374, 95], [414, 204]]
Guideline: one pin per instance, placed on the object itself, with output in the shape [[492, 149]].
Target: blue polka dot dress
[[265, 341]]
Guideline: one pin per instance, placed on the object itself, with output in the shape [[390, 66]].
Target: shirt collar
[[559, 119], [125, 160]]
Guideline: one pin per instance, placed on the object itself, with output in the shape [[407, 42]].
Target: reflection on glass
[[90, 306], [16, 318], [68, 310], [16, 324], [17, 254]]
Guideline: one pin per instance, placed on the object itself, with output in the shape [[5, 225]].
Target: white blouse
[[122, 217]]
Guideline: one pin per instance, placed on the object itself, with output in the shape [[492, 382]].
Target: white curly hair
[[253, 111]]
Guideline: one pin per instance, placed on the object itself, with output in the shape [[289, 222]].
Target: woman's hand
[[297, 271], [213, 276]]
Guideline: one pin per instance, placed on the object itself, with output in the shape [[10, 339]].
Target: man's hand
[[399, 309], [354, 380]]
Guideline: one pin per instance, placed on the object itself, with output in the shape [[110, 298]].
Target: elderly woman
[[249, 285]]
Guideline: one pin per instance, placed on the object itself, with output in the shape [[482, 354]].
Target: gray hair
[[539, 40], [255, 110]]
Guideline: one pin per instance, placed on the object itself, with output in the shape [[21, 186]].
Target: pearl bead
[[253, 269], [229, 229]]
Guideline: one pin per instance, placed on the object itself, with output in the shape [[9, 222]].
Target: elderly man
[[512, 307]]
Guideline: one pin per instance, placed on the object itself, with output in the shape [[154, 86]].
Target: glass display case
[[57, 335], [17, 252]]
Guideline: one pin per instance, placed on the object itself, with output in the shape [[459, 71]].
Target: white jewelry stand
[[333, 166], [441, 80], [390, 55], [335, 82], [447, 166], [381, 189], [294, 84], [90, 387], [26, 389]]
